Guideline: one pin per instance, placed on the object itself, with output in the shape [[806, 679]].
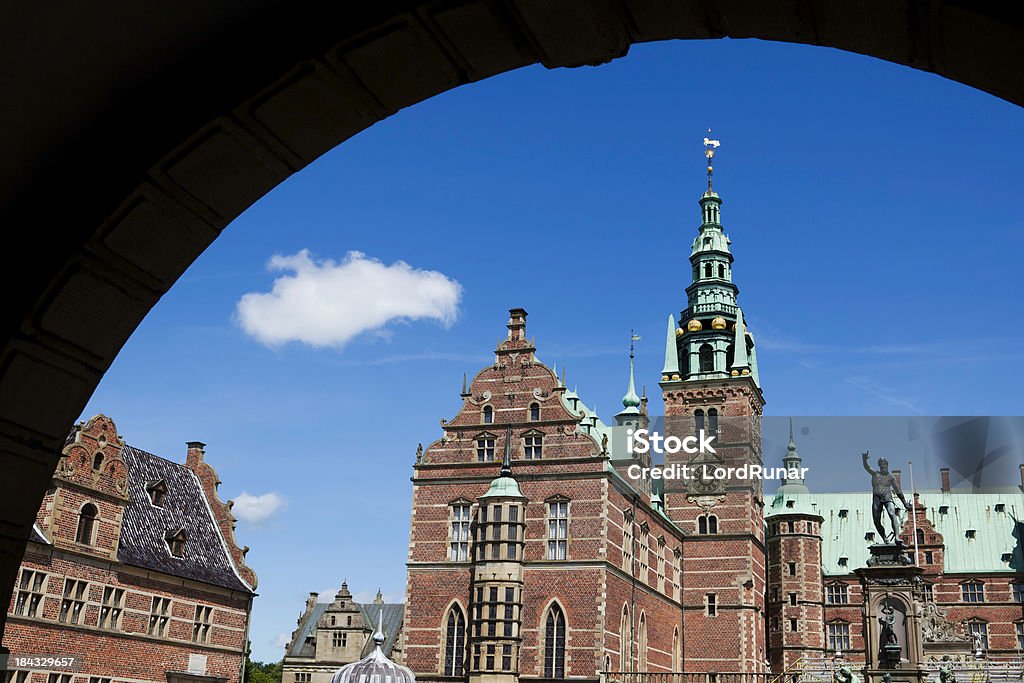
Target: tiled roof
[[145, 525], [994, 547], [393, 614], [37, 535], [299, 647]]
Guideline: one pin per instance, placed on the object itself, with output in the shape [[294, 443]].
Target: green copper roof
[[792, 497], [993, 548], [504, 487], [631, 401], [671, 350], [739, 345]]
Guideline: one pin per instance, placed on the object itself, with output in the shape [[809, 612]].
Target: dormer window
[[844, 513], [1000, 507], [790, 503], [176, 542], [844, 561], [97, 462], [488, 415], [943, 509], [869, 536], [970, 533], [156, 491]]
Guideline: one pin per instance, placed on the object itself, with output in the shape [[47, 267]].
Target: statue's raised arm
[[867, 467]]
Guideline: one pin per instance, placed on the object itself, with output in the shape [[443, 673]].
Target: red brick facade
[[125, 622], [597, 579]]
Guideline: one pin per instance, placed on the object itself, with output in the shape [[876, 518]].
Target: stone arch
[[188, 120]]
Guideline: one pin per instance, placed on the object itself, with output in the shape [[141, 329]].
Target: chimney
[[944, 473], [311, 600], [516, 324], [194, 455], [896, 474]]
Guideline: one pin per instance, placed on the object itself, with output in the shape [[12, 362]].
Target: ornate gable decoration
[[92, 458]]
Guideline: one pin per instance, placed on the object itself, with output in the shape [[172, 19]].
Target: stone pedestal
[[893, 641]]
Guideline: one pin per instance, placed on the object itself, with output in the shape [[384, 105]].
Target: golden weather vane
[[710, 146]]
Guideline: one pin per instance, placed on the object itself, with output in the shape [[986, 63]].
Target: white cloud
[[281, 640], [326, 303], [256, 509]]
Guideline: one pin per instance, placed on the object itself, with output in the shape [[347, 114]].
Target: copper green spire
[[671, 368], [739, 346], [506, 461]]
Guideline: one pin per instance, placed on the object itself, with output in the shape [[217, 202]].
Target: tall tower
[[796, 609], [710, 383], [497, 584]]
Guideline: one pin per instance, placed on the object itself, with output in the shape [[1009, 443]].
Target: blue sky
[[876, 224]]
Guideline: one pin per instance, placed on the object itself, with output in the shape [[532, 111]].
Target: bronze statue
[[882, 486], [844, 674], [946, 673], [887, 619]]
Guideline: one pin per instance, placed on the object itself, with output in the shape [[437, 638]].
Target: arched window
[[721, 270], [554, 643], [920, 536], [706, 355], [675, 650], [97, 461], [712, 524], [625, 637], [454, 642], [86, 524], [707, 270], [713, 422], [698, 419], [702, 525], [488, 415], [641, 643], [332, 620], [730, 356], [534, 412]]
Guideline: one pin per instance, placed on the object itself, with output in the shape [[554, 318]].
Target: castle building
[[132, 570], [534, 554], [333, 634]]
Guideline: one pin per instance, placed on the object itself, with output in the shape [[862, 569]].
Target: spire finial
[[463, 384], [710, 146], [506, 461], [631, 400], [792, 444], [378, 635]]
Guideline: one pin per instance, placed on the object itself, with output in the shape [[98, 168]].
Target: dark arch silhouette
[[122, 164]]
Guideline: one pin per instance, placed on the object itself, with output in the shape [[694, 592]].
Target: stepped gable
[[517, 390], [91, 458]]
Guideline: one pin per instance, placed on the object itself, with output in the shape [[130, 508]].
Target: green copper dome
[[504, 487]]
